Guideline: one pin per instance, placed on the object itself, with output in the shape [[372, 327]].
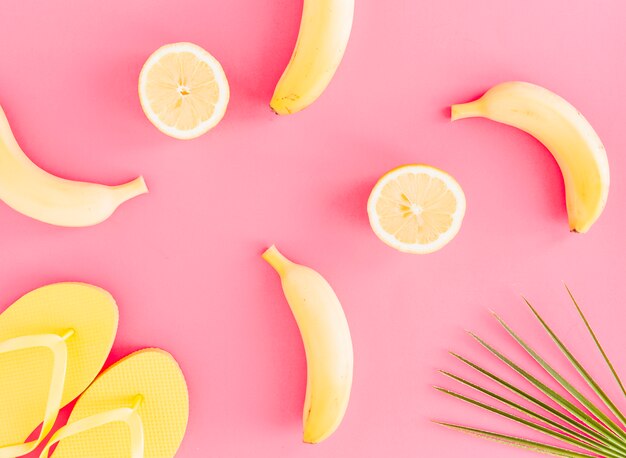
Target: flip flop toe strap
[[56, 344], [128, 415]]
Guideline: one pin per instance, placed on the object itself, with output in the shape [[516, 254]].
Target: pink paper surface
[[184, 261]]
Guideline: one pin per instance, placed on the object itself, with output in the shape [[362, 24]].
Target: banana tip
[[310, 440], [274, 110], [279, 106], [579, 229]]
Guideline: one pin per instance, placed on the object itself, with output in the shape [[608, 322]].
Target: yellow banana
[[564, 131], [34, 192], [327, 343], [324, 33]]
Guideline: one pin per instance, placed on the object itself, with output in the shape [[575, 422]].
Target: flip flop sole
[[155, 376], [25, 375]]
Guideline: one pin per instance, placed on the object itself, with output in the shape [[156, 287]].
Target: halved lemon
[[183, 90], [416, 208]]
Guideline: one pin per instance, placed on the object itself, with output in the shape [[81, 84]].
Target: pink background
[[184, 261]]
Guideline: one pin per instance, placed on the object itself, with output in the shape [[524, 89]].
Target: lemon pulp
[[416, 208], [183, 90]]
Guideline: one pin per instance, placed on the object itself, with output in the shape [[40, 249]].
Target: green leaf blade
[[597, 342], [594, 444], [590, 406], [579, 368], [547, 431], [602, 431], [519, 442]]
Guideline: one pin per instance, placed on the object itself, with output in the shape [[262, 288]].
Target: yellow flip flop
[[137, 408], [53, 342]]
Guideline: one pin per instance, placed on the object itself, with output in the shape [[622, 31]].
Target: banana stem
[[275, 259], [467, 110], [131, 189]]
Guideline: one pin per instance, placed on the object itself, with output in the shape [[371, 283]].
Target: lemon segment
[[416, 208], [183, 90]]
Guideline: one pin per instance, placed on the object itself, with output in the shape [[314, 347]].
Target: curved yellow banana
[[34, 192], [324, 33], [327, 343], [564, 131]]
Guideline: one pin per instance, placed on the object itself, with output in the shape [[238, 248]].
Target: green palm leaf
[[545, 407], [577, 438], [519, 442], [537, 427], [597, 342], [584, 427], [587, 420]]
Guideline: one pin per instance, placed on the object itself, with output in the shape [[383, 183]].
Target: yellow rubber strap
[[56, 344], [126, 415]]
